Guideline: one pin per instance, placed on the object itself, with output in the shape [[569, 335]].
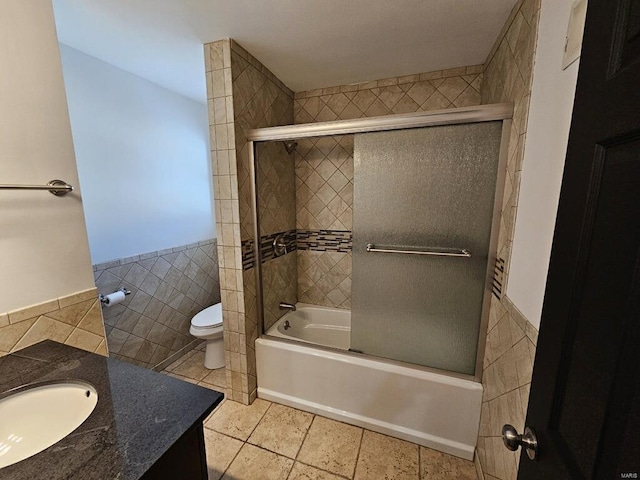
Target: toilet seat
[[204, 331], [209, 318]]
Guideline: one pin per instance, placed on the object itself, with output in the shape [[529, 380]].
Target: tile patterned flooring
[[269, 441]]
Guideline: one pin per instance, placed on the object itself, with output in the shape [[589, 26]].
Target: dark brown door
[[585, 393]]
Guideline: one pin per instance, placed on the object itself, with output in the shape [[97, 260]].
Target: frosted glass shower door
[[424, 189]]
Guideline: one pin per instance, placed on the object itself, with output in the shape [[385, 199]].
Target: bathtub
[[412, 403], [313, 324]]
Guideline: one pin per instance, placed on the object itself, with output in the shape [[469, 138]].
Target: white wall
[[545, 148], [43, 244], [143, 160]]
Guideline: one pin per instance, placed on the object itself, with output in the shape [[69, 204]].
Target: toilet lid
[[209, 317]]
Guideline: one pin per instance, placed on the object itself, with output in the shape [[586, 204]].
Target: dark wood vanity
[[146, 425]]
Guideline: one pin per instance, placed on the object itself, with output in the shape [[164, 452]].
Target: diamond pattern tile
[[276, 192], [278, 287], [324, 166], [258, 102], [507, 78], [74, 320], [510, 350], [167, 289], [324, 278], [417, 96]]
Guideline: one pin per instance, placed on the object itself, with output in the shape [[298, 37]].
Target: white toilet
[[208, 325]]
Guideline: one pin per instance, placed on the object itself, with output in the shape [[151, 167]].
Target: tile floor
[[269, 441], [190, 368]]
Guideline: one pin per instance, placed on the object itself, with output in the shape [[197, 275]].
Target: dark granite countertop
[[140, 414]]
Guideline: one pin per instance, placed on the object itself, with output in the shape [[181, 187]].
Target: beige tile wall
[[276, 189], [278, 285], [151, 327], [507, 78], [324, 200], [277, 203], [508, 365], [324, 166], [324, 183], [437, 90], [261, 100], [225, 186], [277, 200], [324, 278], [511, 339], [243, 94], [74, 320], [249, 90]]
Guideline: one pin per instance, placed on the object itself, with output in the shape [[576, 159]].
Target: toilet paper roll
[[114, 298]]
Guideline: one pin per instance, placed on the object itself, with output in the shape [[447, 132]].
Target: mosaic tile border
[[498, 278], [248, 260], [325, 240], [316, 240], [266, 248]]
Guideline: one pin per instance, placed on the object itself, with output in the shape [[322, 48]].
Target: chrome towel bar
[[438, 252], [56, 187]]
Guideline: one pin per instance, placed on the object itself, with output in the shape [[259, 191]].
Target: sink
[[34, 417]]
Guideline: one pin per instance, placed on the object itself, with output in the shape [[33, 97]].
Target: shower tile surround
[[511, 339], [324, 267], [508, 366], [324, 273], [266, 248], [506, 77], [74, 320], [316, 240], [324, 166], [150, 328], [242, 95]]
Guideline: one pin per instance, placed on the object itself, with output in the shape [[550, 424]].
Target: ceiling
[[306, 43]]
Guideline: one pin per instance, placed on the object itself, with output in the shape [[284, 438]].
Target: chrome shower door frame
[[455, 116]]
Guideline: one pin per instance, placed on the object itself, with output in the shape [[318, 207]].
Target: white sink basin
[[34, 417]]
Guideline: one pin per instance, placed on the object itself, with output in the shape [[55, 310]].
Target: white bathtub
[[424, 407], [313, 324]]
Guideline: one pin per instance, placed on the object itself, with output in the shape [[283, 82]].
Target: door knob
[[512, 440]]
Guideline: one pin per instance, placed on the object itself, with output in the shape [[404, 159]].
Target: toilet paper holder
[[103, 298]]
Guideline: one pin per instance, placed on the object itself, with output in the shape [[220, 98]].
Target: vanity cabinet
[[185, 459], [145, 426]]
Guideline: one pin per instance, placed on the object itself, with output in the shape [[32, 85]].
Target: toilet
[[207, 325]]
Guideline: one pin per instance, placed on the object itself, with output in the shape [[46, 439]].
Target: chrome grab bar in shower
[[56, 187], [438, 252]]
